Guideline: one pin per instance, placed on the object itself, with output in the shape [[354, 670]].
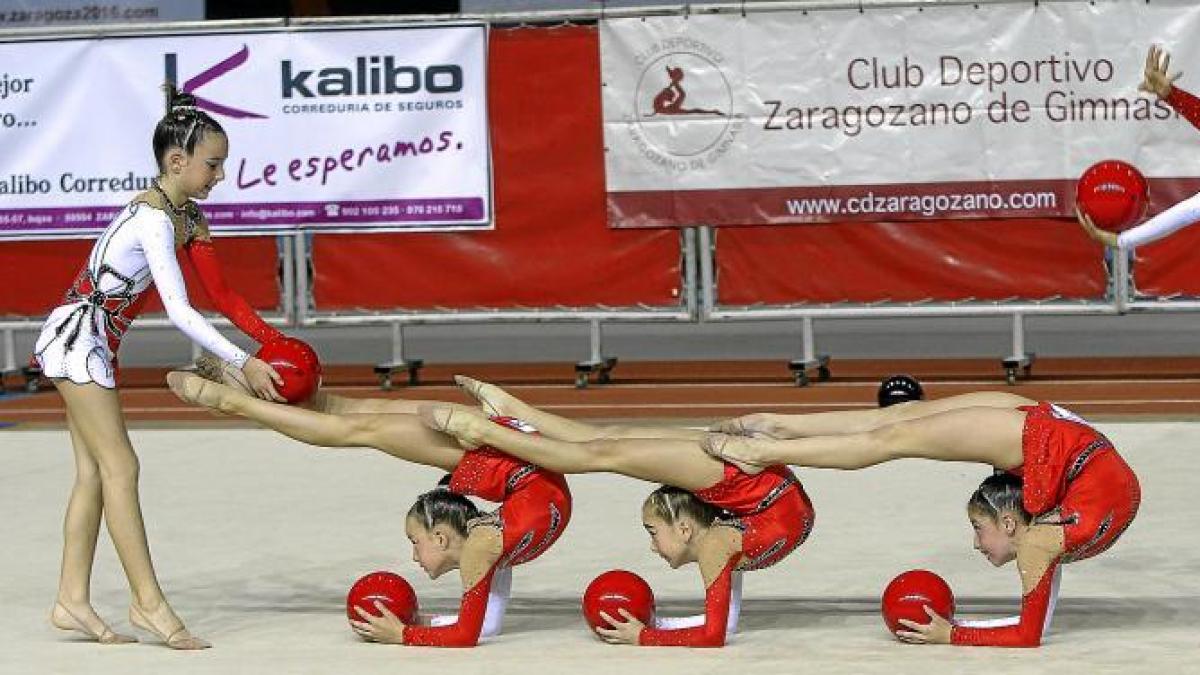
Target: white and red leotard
[[1185, 212], [774, 516], [1072, 475], [80, 338], [535, 506]]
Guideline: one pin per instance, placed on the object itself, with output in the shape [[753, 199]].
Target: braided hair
[[999, 493], [183, 126], [440, 506], [671, 503]]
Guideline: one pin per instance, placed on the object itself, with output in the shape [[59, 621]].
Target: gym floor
[[257, 538]]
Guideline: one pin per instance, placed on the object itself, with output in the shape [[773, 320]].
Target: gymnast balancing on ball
[[77, 350], [447, 531], [1156, 80], [1061, 494], [707, 511]]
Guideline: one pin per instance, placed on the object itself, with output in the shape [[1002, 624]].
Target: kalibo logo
[[371, 75], [208, 75], [684, 106]]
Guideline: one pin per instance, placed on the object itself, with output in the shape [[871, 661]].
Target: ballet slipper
[[220, 371], [64, 619], [461, 423], [757, 425], [192, 388], [733, 427], [724, 447], [179, 638], [185, 385], [482, 393]]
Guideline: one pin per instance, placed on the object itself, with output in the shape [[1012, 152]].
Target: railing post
[[707, 275]]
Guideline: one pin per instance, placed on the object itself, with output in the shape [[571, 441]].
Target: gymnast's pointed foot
[[192, 388], [755, 425], [737, 450], [492, 399], [468, 426]]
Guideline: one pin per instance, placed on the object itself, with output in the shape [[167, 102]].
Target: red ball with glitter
[[1113, 193], [298, 365], [389, 589], [614, 590], [906, 596]]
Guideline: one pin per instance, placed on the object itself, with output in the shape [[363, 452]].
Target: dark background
[[239, 9]]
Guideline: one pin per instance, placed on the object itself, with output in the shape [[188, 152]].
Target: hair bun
[[177, 100]]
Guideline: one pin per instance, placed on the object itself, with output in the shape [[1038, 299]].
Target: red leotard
[[1185, 104], [774, 516], [535, 506], [1073, 475], [1073, 469], [770, 508]]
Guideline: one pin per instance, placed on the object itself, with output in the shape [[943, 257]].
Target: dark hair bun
[[178, 99]]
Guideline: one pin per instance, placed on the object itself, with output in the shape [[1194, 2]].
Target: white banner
[[360, 129], [888, 113]]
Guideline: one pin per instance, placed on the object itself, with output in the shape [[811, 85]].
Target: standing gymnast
[[1062, 493], [707, 512], [77, 350], [1156, 80], [447, 531]]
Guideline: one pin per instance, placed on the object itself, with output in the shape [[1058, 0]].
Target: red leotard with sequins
[[770, 508], [1072, 474], [774, 516], [1072, 468], [535, 506]]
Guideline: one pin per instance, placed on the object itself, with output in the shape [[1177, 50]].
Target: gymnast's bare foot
[[83, 619], [163, 623], [737, 450], [465, 424], [192, 388]]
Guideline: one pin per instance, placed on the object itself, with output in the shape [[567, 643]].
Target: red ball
[[906, 596], [297, 364], [1113, 193], [390, 589], [616, 589]]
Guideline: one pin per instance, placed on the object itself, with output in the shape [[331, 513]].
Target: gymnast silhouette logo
[[684, 108], [669, 101], [208, 75]]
